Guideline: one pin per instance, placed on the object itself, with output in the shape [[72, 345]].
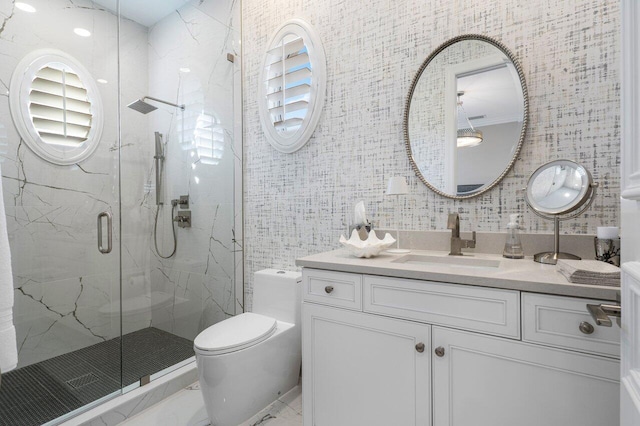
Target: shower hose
[[174, 203]]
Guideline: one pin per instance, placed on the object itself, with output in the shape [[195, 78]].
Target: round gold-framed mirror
[[466, 115]]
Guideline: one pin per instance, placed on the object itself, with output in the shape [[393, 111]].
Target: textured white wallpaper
[[297, 204]]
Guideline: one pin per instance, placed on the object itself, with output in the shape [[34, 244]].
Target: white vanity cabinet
[[364, 369], [361, 369], [395, 351], [483, 380]]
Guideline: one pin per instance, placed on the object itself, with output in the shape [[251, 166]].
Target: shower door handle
[[109, 232]]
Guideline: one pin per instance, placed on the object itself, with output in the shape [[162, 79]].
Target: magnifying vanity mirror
[[465, 117], [558, 188]]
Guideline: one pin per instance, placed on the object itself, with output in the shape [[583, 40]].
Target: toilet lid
[[236, 333]]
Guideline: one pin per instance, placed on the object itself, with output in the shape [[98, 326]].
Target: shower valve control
[[183, 202], [183, 218]]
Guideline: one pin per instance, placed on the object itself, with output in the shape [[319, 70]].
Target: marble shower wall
[[188, 65], [297, 204], [66, 292]]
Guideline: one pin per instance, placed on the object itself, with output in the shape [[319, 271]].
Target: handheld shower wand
[[145, 108], [159, 157]]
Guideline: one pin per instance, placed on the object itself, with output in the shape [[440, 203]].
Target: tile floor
[[186, 408]]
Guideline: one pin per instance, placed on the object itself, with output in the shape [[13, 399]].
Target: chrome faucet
[[457, 243]]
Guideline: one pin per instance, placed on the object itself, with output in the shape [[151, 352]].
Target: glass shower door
[[59, 157], [179, 156], [93, 317]]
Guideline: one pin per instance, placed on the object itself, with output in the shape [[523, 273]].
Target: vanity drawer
[[333, 288], [487, 310], [555, 321]]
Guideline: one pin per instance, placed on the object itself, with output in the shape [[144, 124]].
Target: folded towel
[[591, 272], [589, 267], [8, 349], [8, 352], [609, 282], [6, 277]]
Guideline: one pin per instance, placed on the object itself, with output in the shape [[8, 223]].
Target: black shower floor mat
[[38, 393]]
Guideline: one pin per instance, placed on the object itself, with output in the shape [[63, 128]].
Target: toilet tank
[[278, 294]]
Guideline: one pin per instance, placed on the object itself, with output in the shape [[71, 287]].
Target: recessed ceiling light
[[82, 32], [102, 81], [25, 7], [184, 70]]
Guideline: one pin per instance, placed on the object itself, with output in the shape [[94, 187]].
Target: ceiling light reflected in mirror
[[467, 135]]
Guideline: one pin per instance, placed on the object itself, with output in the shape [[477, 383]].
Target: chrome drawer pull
[[601, 313], [328, 289], [439, 351], [586, 327], [420, 347]]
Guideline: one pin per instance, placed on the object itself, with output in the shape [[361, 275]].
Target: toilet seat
[[235, 333]]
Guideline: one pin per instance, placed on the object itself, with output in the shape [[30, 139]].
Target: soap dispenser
[[513, 246]]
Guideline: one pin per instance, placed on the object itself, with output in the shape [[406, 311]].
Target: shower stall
[[121, 156]]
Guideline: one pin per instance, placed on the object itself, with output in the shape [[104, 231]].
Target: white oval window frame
[[19, 106], [290, 144]]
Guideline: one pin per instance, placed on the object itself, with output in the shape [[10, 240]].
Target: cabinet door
[[362, 369], [488, 381]]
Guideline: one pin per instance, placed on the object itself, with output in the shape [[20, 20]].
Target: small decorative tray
[[370, 247]]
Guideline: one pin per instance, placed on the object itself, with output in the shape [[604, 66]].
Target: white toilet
[[246, 362]]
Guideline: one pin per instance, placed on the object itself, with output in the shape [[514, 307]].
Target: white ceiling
[[145, 12], [496, 94]]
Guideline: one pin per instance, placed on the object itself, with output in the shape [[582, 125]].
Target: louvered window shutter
[[59, 106], [56, 106], [293, 86], [289, 86]]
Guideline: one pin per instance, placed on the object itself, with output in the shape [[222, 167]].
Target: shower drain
[[81, 381]]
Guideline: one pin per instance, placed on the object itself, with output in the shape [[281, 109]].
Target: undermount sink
[[458, 261]]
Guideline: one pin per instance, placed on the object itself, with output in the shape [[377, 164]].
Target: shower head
[[141, 106], [144, 107]]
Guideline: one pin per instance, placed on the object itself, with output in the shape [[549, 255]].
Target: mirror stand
[[551, 257]]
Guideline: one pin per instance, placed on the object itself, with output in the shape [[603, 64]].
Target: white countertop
[[514, 274]]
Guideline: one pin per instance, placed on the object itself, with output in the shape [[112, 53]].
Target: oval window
[[56, 107], [293, 82]]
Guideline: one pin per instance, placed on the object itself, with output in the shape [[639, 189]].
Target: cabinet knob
[[439, 351], [328, 289], [420, 347], [586, 327]]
